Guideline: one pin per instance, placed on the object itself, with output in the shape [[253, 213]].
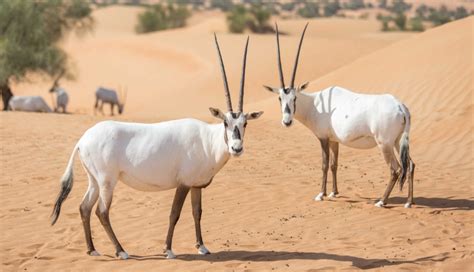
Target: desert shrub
[[237, 19], [399, 6], [355, 4], [421, 11], [331, 8], [383, 4], [440, 16], [224, 5], [309, 10], [256, 19], [460, 13], [400, 21], [159, 17], [385, 21], [290, 6], [416, 24]]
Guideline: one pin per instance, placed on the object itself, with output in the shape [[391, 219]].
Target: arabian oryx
[[184, 154], [62, 98], [28, 103], [336, 115], [103, 95]]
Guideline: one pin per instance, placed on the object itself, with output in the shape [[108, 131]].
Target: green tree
[[460, 13], [159, 17], [29, 36], [416, 24], [441, 16], [331, 8], [400, 21], [258, 21]]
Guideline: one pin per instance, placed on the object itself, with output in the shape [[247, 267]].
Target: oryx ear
[[217, 113], [303, 86], [253, 115], [273, 90]]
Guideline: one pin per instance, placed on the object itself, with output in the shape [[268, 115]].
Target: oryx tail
[[66, 187], [404, 146]]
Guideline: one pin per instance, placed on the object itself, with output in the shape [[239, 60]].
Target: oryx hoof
[[319, 197], [202, 250], [408, 205], [93, 253], [169, 254], [332, 195], [380, 204], [122, 255]]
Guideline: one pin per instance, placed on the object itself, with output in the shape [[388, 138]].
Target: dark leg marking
[[325, 163], [179, 197], [196, 196], [410, 182], [334, 147]]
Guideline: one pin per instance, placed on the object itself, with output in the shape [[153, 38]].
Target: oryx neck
[[304, 107]]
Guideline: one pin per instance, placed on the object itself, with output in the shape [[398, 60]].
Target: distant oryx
[[184, 154], [336, 115], [62, 97], [28, 103], [108, 96]]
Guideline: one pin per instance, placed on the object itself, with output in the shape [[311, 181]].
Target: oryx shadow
[[270, 256]]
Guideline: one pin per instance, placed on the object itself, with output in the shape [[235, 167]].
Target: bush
[[421, 11], [256, 19], [330, 9], [355, 4], [290, 6], [460, 13], [416, 24], [385, 20], [224, 5], [439, 17], [400, 21], [399, 6], [309, 10], [157, 17]]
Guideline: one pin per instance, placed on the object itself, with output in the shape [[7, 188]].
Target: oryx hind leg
[[105, 200], [196, 196], [324, 168], [411, 169], [334, 155], [389, 156], [88, 202]]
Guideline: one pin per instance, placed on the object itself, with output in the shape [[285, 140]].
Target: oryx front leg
[[334, 148], [102, 211], [325, 168], [179, 197], [90, 198], [389, 157], [196, 195]]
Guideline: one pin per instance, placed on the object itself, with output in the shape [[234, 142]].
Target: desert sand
[[259, 213]]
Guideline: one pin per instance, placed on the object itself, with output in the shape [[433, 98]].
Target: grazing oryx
[[62, 97], [28, 103], [184, 154], [336, 115], [108, 96]]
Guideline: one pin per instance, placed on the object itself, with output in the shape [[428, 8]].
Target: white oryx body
[[62, 99], [183, 154], [356, 120], [339, 116], [28, 103], [154, 157]]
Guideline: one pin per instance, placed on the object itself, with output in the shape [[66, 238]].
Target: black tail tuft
[[66, 187]]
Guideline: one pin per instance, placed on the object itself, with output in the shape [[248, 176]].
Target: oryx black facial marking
[[287, 109]]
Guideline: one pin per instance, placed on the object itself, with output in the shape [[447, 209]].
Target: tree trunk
[[6, 94]]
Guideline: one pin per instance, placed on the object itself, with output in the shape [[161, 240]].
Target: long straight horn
[[280, 68], [226, 85], [242, 81], [292, 85]]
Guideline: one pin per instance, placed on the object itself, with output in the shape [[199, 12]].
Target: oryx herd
[[186, 154], [37, 103]]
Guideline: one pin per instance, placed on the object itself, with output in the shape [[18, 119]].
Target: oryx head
[[56, 81], [234, 122], [287, 94], [122, 97]]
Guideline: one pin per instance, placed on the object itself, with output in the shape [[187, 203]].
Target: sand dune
[[258, 213]]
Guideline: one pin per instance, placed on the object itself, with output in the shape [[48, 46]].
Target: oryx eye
[[279, 98], [245, 125], [225, 123]]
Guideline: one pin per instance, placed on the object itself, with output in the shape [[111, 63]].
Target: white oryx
[[62, 98], [183, 154], [336, 115], [28, 103], [109, 96]]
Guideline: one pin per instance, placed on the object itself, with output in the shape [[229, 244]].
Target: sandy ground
[[259, 212]]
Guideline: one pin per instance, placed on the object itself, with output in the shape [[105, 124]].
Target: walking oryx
[[108, 96], [183, 154], [336, 115], [62, 97]]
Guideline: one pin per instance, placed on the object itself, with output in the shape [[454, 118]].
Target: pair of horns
[[226, 84], [280, 68]]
